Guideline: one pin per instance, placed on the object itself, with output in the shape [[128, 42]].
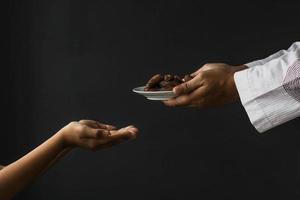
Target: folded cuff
[[255, 113]]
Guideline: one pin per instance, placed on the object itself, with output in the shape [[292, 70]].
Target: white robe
[[270, 89]]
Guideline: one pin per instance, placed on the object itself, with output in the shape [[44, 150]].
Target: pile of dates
[[166, 82]]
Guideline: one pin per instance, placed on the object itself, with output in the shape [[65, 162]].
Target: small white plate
[[155, 95]]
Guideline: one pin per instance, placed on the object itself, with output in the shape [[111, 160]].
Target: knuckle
[[72, 123], [80, 128], [187, 86], [201, 75], [81, 121], [207, 65]]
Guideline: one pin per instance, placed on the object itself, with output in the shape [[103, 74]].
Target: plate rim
[[140, 90]]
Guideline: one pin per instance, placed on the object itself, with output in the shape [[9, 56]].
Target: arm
[[22, 172], [85, 134], [1, 167], [269, 90]]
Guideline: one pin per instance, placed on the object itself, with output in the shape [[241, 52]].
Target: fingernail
[[175, 90]]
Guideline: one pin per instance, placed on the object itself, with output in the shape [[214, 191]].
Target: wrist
[[232, 87], [61, 139], [239, 68]]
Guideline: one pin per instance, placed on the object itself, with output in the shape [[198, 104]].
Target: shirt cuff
[[255, 113], [265, 60]]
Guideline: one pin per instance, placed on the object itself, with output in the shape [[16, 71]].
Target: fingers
[[115, 142], [105, 135], [91, 133], [130, 131], [121, 136], [178, 101], [112, 143], [90, 123], [188, 87], [96, 124], [106, 126], [116, 137], [196, 72], [196, 97], [95, 130]]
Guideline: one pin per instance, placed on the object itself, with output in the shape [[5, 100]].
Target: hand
[[87, 134], [212, 85], [93, 135]]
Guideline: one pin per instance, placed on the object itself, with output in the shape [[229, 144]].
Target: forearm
[[19, 174], [57, 158]]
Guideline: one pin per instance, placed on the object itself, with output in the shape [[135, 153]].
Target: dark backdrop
[[67, 60]]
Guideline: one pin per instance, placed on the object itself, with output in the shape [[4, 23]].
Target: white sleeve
[[273, 56], [270, 89]]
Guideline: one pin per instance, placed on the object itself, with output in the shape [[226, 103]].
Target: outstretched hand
[[212, 85], [93, 135]]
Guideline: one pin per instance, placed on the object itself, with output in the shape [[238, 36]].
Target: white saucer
[[155, 95]]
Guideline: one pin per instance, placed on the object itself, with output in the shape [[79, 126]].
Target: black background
[[66, 60]]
